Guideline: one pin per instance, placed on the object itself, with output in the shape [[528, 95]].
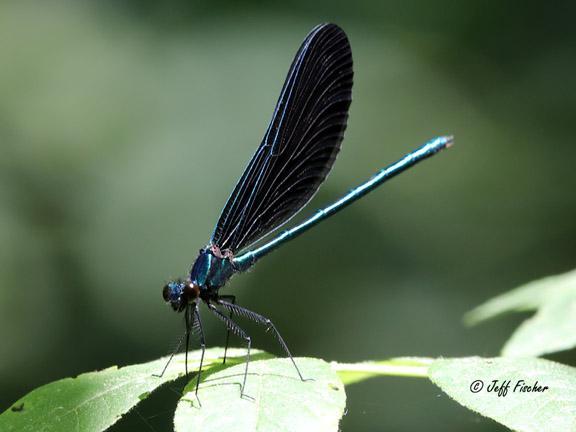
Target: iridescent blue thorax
[[211, 270]]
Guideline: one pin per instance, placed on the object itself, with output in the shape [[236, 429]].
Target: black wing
[[300, 145]]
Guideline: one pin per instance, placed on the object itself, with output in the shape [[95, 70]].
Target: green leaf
[[96, 400], [276, 399], [351, 373], [552, 329], [553, 409]]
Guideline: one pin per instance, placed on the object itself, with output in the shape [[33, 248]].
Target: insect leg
[[239, 310], [202, 346], [232, 298], [189, 322], [171, 356], [235, 328]]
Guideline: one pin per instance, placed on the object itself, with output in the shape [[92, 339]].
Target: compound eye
[[166, 293]]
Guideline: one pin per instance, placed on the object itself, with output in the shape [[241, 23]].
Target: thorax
[[212, 269]]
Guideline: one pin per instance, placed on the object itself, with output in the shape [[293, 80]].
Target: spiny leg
[[189, 323], [202, 346], [239, 310], [171, 356], [233, 300], [235, 328]]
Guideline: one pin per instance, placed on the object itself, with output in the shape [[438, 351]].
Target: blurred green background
[[125, 124]]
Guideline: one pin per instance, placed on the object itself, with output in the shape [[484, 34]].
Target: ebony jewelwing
[[295, 156]]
